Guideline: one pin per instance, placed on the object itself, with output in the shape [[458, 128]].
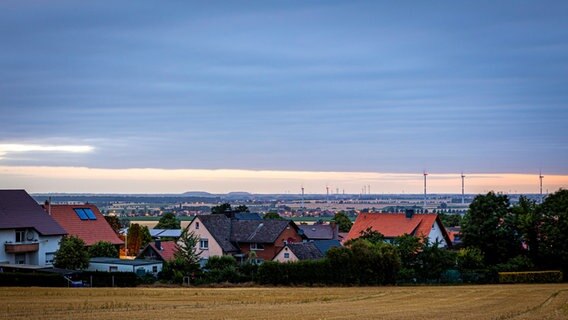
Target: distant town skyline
[[114, 96]]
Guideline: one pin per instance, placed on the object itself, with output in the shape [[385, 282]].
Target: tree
[[168, 221], [187, 250], [72, 254], [450, 220], [554, 211], [489, 226], [343, 221], [138, 237], [372, 236], [103, 249], [271, 215], [241, 208], [114, 223], [528, 222], [221, 209]]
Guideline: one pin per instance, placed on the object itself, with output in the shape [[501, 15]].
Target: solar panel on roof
[[90, 214], [82, 215]]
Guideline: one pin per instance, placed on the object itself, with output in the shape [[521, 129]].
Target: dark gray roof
[[247, 216], [324, 245], [219, 225], [319, 231], [305, 251], [263, 231], [19, 210], [134, 262]]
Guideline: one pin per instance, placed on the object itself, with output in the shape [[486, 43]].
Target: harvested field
[[548, 301]]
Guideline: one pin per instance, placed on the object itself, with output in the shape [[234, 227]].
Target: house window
[[286, 255], [203, 244], [20, 235], [112, 269], [49, 257], [256, 246], [154, 269], [197, 225], [85, 213]]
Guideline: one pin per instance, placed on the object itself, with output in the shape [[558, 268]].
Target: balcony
[[21, 247]]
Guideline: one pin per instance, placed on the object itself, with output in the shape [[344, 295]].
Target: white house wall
[[280, 256], [47, 244], [437, 235]]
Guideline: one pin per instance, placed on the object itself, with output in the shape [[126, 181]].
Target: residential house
[[298, 251], [320, 231], [159, 250], [165, 233], [84, 221], [221, 235], [27, 234], [392, 225]]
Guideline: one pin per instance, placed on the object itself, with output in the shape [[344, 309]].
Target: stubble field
[[456, 302]]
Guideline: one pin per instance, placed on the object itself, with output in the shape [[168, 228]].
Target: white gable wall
[[280, 256], [437, 235], [214, 248]]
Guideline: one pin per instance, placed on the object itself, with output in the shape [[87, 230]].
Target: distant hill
[[198, 194]]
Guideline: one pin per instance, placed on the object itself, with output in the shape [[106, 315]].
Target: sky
[[151, 97]]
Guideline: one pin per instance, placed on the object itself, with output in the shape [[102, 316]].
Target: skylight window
[[82, 215], [90, 214], [85, 214]]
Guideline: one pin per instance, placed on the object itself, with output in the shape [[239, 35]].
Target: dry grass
[[456, 302]]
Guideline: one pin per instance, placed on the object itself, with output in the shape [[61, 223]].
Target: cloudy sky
[[320, 91]]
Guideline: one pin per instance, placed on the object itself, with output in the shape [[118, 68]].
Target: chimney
[[334, 230], [158, 244], [48, 205], [409, 213]]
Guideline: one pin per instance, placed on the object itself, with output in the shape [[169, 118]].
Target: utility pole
[[425, 174], [302, 197], [540, 176], [463, 194]]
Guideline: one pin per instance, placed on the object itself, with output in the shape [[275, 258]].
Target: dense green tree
[[72, 254], [408, 248], [450, 220], [221, 209], [114, 223], [168, 221], [489, 226], [528, 221], [103, 249], [271, 215], [554, 243], [432, 261], [470, 259], [241, 208], [187, 248], [343, 221], [371, 235]]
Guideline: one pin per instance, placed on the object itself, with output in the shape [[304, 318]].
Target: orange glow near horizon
[[150, 180]]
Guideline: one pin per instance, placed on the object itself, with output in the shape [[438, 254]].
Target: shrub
[[530, 277]]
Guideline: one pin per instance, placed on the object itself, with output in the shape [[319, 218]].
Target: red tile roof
[[167, 253], [91, 231], [392, 225]]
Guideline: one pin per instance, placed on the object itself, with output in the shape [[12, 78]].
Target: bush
[[530, 277], [518, 263]]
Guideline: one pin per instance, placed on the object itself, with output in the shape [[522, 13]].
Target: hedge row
[[17, 279], [105, 279], [530, 277]]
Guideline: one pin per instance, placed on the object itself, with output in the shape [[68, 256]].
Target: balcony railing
[[21, 247]]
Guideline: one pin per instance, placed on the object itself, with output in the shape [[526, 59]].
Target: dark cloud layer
[[346, 86]]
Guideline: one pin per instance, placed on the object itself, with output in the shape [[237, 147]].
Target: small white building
[[138, 266]]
